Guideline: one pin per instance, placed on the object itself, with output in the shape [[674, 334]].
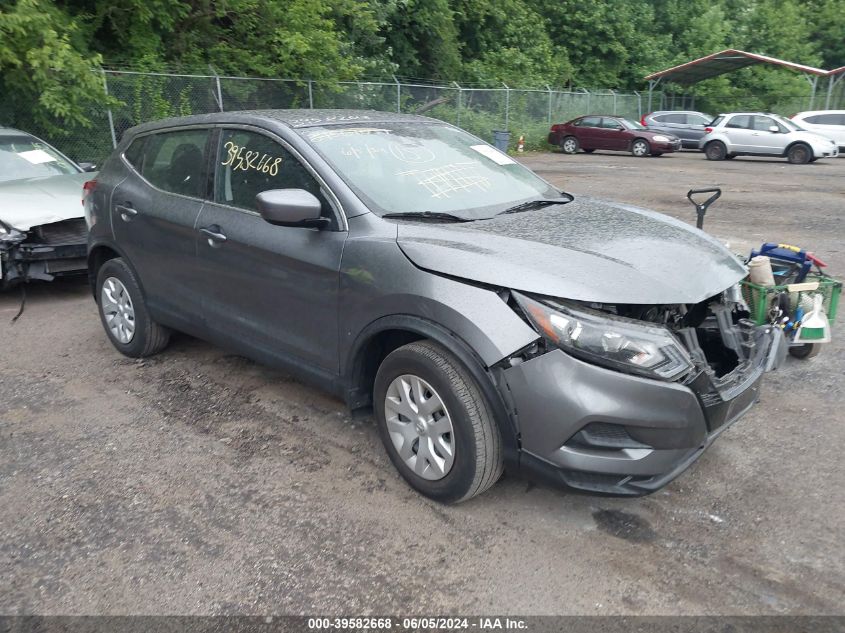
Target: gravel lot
[[200, 482]]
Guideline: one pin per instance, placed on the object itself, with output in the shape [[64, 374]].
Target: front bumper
[[671, 146], [668, 425], [44, 252]]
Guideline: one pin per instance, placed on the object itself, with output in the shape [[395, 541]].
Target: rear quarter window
[[134, 154]]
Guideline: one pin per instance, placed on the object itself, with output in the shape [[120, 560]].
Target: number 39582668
[[240, 158]]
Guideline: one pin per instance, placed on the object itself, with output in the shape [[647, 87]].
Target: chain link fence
[[481, 110], [149, 96]]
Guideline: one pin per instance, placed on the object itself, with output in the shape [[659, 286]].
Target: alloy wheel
[[118, 310], [420, 427], [570, 146], [640, 148]]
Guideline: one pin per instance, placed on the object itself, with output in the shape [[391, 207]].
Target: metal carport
[[725, 62], [835, 76]]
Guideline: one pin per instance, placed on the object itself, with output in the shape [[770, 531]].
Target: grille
[[65, 232]]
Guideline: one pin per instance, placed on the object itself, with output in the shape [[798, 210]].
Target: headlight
[[661, 139], [615, 342]]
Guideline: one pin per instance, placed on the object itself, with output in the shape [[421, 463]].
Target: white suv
[[829, 123], [760, 134]]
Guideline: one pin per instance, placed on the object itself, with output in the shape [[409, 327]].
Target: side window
[[174, 161], [610, 124], [831, 119], [697, 119], [249, 163], [763, 123], [589, 121], [715, 122], [813, 120], [675, 118], [741, 121], [135, 152]]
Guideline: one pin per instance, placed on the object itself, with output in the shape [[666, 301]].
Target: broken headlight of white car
[[615, 342]]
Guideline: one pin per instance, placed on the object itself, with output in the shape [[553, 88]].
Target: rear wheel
[[640, 148], [799, 154], [124, 314], [715, 150], [435, 424], [569, 145], [807, 350]]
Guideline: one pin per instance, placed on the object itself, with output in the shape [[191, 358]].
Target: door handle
[[126, 212], [215, 237]]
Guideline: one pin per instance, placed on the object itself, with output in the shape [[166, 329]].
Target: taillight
[[707, 130], [642, 120], [87, 188]]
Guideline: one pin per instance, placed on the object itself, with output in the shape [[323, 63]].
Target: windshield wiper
[[428, 215], [543, 202]]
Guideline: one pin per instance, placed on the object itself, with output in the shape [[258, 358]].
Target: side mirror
[[290, 207], [774, 129], [88, 167]]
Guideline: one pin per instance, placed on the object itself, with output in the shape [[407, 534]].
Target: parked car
[[687, 126], [760, 134], [407, 266], [613, 133], [829, 123], [42, 231]]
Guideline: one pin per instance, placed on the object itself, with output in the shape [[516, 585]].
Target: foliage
[[48, 48]]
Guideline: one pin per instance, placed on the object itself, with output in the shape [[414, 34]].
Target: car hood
[[586, 250], [31, 202]]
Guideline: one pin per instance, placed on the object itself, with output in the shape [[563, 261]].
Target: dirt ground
[[199, 482]]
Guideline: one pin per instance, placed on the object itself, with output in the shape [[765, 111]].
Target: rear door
[[588, 132], [830, 125], [269, 290], [153, 215], [739, 133]]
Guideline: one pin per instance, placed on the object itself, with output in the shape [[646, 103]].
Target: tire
[[807, 350], [474, 441], [715, 150], [570, 145], [640, 148], [118, 293], [799, 154]]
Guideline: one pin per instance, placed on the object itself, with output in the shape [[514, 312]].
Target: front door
[[270, 290], [154, 210]]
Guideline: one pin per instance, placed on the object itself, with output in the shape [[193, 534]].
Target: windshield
[[632, 125], [24, 156], [426, 168], [789, 123]]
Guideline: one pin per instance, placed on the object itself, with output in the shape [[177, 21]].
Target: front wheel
[[640, 148], [799, 154], [435, 424], [715, 150], [569, 145], [124, 314]]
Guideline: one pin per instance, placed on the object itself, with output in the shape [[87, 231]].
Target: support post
[[507, 106], [549, 88], [111, 118], [398, 94], [613, 92], [310, 94], [639, 105], [219, 92], [458, 109]]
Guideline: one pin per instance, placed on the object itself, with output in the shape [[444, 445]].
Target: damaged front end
[[620, 399], [43, 252]]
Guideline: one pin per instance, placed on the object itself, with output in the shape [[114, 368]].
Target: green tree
[[46, 75]]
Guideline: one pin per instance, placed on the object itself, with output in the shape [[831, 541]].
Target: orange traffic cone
[[520, 144]]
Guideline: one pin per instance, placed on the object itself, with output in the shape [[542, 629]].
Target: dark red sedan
[[610, 132]]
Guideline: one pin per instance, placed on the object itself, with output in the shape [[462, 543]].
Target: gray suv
[[687, 126], [486, 318]]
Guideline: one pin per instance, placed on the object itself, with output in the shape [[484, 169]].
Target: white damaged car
[[42, 229]]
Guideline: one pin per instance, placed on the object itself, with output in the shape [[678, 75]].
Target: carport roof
[[837, 71], [724, 62]]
